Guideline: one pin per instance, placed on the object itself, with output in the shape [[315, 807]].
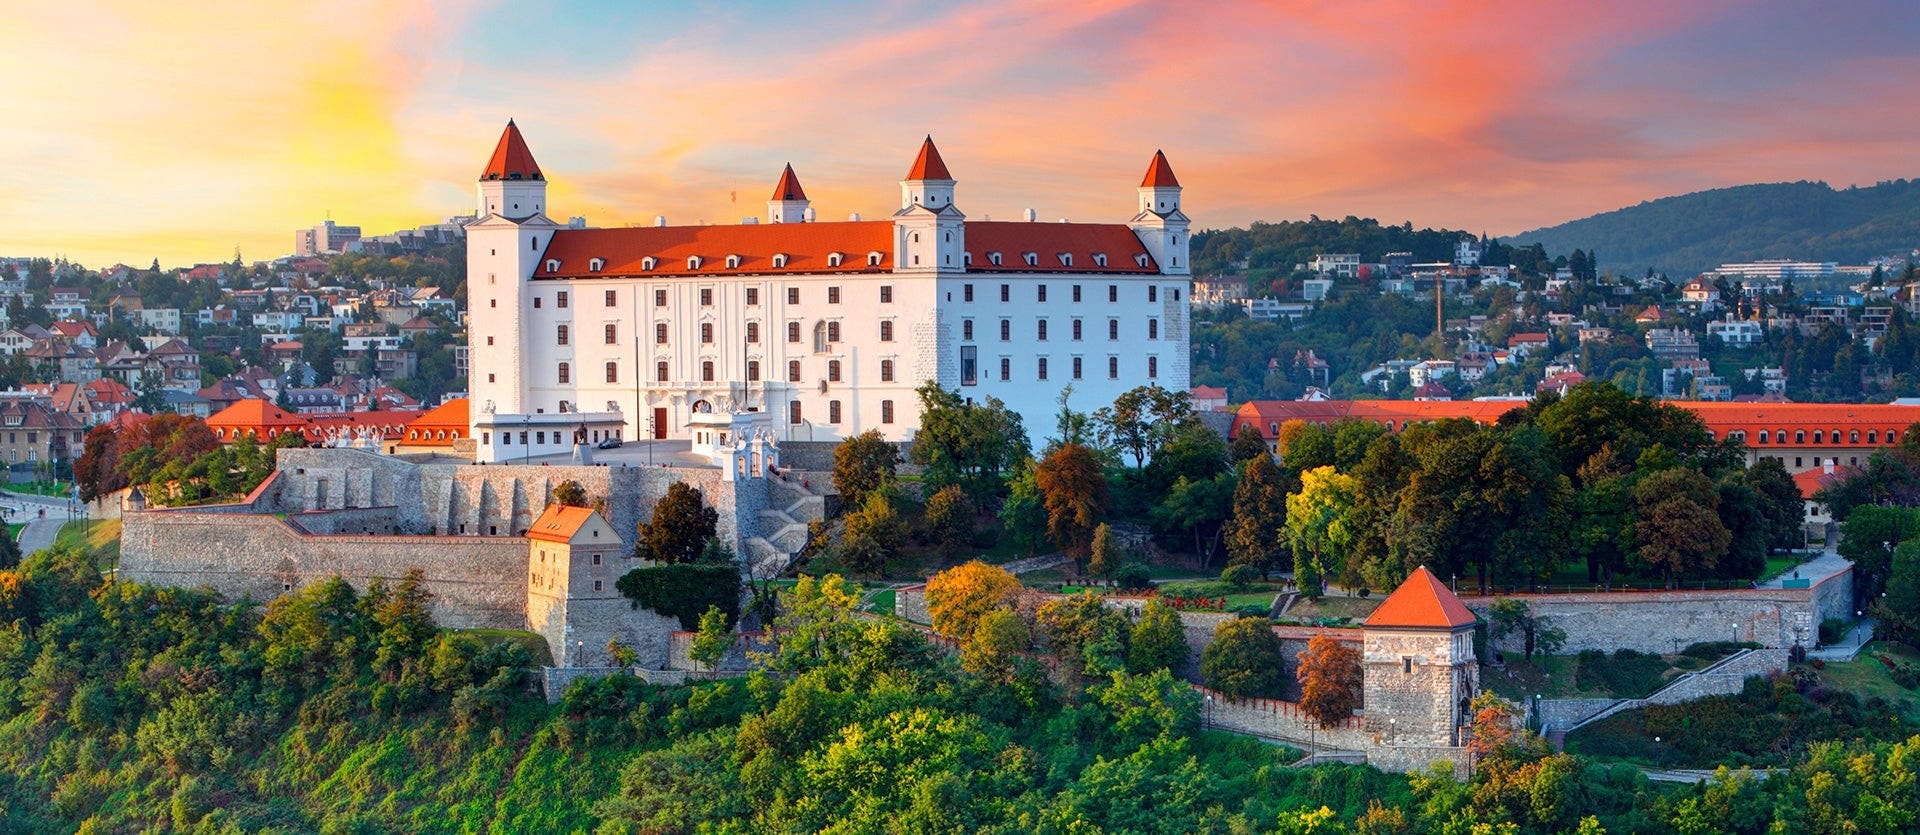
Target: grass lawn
[[1867, 677], [55, 489], [879, 602], [13, 530], [101, 538]]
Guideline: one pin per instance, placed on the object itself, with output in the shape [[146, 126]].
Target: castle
[[580, 335]]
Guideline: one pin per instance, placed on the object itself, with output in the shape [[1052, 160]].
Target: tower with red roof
[[789, 201], [1161, 225], [503, 250], [1420, 670], [929, 232]]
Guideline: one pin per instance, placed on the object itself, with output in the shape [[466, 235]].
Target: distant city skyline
[[136, 131]]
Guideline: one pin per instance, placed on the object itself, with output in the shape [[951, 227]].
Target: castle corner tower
[[1418, 663], [1161, 225], [929, 231]]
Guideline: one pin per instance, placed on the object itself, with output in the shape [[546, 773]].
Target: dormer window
[[693, 262], [648, 262], [967, 258], [553, 265], [873, 258], [834, 259], [1140, 259], [594, 264], [1066, 259], [779, 260], [733, 262], [1032, 258], [993, 258], [1099, 259]]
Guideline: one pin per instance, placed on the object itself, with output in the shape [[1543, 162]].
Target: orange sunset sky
[[139, 130]]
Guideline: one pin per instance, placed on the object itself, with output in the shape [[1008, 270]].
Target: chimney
[[1827, 467], [807, 216], [659, 220], [1030, 215], [750, 221], [855, 217]]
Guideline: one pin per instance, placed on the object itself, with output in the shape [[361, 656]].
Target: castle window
[[597, 583], [966, 258], [793, 331], [1032, 258], [560, 335], [1140, 259], [1099, 259], [993, 258], [706, 297], [833, 295], [649, 263], [659, 298], [565, 373], [886, 294], [565, 407], [1871, 435], [1040, 292], [594, 264], [1153, 328], [660, 372], [1006, 369], [659, 333], [886, 330], [1853, 437], [793, 411], [779, 260], [886, 411], [753, 371], [833, 331], [613, 372], [1153, 293], [610, 298], [733, 262], [833, 260], [1406, 664], [966, 292], [793, 371], [1816, 436], [1153, 368], [753, 296], [1076, 293], [966, 329], [1113, 330], [1113, 368], [706, 371], [833, 372], [886, 371], [1040, 331], [1066, 259], [1076, 330], [1006, 330], [596, 557], [536, 302], [612, 334], [1799, 436], [793, 295], [553, 265], [873, 259], [833, 411], [1042, 368], [706, 333], [1076, 368], [693, 262], [753, 333]]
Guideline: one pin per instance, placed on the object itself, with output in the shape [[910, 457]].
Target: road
[[39, 532]]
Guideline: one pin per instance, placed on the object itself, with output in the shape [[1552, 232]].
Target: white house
[[582, 334]]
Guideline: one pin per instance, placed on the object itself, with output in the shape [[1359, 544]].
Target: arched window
[[648, 262], [1066, 259], [1872, 436], [1799, 436], [1763, 436], [1853, 437], [886, 371], [1816, 436], [793, 371], [819, 337], [733, 262], [613, 372], [873, 259], [834, 259], [693, 262], [779, 260], [1032, 258], [594, 264], [553, 265], [993, 258]]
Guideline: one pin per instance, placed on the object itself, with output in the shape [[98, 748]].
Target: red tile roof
[[1208, 392], [255, 414], [808, 245], [441, 425], [928, 165], [511, 158], [1159, 173], [1812, 480], [558, 523], [789, 186], [1422, 602]]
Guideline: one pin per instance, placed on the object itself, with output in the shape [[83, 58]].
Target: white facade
[[581, 335]]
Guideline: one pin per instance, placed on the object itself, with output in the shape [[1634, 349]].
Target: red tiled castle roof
[[512, 160], [789, 186], [928, 165], [1159, 173], [1422, 602]]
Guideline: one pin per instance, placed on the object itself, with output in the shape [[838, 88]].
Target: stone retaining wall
[[1669, 621], [1565, 713], [476, 582]]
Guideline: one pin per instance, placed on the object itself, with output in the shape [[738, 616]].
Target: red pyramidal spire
[[929, 166], [789, 186], [511, 159], [1422, 602], [1159, 173]]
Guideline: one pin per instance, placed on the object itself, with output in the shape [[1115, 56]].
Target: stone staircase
[[1725, 676], [782, 528]]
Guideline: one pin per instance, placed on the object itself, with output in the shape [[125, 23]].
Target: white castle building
[[578, 335]]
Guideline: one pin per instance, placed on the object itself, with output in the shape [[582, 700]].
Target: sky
[[134, 131]]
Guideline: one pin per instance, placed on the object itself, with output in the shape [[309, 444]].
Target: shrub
[[1133, 577], [958, 596], [1832, 631], [1244, 660], [684, 590], [1240, 576], [1715, 649]]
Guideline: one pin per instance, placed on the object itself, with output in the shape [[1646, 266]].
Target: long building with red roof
[[631, 331], [1802, 436]]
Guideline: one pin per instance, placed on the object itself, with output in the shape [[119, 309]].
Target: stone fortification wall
[[1282, 720], [910, 604], [1668, 621], [476, 582], [1561, 714], [1724, 678], [360, 520]]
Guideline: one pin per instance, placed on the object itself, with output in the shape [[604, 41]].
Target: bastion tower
[[1419, 667]]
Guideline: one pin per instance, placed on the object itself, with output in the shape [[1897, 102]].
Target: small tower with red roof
[[504, 248], [929, 232], [1419, 665], [1161, 225], [789, 201], [512, 186]]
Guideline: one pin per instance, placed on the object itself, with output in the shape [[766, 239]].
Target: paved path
[[1849, 646], [1036, 563], [1813, 571], [1698, 775], [38, 535]]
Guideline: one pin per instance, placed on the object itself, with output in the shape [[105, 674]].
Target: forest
[[128, 708], [1689, 233]]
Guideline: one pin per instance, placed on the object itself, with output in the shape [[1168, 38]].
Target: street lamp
[[1207, 720]]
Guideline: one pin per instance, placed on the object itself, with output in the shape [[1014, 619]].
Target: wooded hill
[[1689, 233]]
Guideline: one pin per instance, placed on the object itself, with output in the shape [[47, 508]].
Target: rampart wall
[[476, 582]]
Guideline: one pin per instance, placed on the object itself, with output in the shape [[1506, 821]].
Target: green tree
[[1104, 556], [1159, 641], [1868, 536], [621, 654], [1142, 418], [1330, 680], [1248, 445], [1199, 509], [1244, 660], [1256, 535], [1514, 617], [1084, 633], [680, 528], [570, 494], [973, 445], [873, 535], [1679, 528], [1074, 491], [995, 644], [1780, 502], [1024, 513], [683, 590], [949, 519], [1319, 524], [862, 464], [712, 639]]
